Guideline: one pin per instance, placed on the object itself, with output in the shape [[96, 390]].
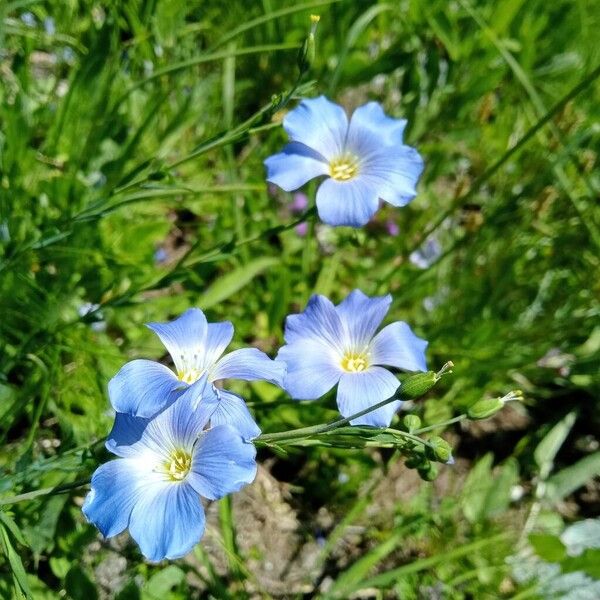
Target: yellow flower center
[[343, 168], [354, 363], [178, 465], [189, 376]]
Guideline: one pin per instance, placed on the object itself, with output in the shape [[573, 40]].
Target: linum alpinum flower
[[364, 160], [155, 485], [143, 388], [328, 345]]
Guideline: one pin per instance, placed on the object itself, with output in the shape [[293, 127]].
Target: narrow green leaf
[[349, 580], [476, 489], [567, 480], [8, 522], [389, 578], [14, 560], [233, 282], [547, 449], [353, 34]]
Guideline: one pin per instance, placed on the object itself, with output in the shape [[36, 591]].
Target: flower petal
[[358, 391], [350, 203], [125, 434], [249, 364], [313, 368], [180, 424], [230, 409], [397, 346], [394, 173], [143, 388], [294, 166], [319, 322], [184, 338], [116, 486], [361, 316], [167, 521], [369, 121], [218, 337], [222, 463], [318, 124]]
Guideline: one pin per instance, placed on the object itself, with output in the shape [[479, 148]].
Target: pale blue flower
[[364, 160], [328, 345], [143, 388], [154, 489], [427, 254]]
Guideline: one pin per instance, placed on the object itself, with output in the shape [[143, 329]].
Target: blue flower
[[364, 160], [155, 486], [328, 345], [143, 388]]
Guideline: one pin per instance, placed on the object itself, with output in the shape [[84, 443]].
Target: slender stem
[[315, 429], [457, 419], [58, 489]]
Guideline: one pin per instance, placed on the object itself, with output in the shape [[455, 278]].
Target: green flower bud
[[413, 462], [306, 55], [429, 472], [485, 408], [411, 422], [417, 385], [490, 406], [441, 449]]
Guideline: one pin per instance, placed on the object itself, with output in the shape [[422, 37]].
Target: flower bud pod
[[306, 55], [413, 462], [428, 472], [411, 422], [417, 385], [441, 449], [485, 408]]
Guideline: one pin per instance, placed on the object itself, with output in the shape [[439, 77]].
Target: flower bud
[[417, 385], [441, 449], [306, 56], [413, 462], [490, 406], [428, 472], [411, 422], [485, 408]]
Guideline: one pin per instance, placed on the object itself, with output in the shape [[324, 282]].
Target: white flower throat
[[189, 369]]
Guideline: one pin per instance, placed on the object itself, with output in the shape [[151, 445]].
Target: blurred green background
[[132, 187]]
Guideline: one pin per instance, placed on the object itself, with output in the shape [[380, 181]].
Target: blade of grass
[[387, 579], [540, 109], [258, 21], [583, 85]]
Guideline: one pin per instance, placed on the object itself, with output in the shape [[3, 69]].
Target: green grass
[[142, 126]]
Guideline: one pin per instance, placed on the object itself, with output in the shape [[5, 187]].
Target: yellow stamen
[[178, 465], [354, 362], [189, 376], [343, 168]]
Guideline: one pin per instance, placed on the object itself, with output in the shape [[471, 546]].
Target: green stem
[[58, 489], [267, 438], [457, 419]]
